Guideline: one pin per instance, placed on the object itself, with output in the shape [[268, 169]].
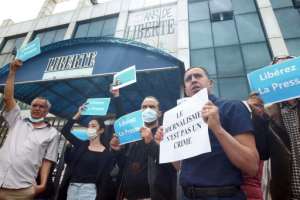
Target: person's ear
[[159, 114]]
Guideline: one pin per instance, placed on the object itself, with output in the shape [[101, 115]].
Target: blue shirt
[[214, 168]]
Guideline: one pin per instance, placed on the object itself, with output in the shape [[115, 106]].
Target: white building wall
[[178, 47], [273, 32]]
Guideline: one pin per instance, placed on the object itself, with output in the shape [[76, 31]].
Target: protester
[[143, 176], [31, 145], [252, 185], [91, 161], [217, 175], [285, 149]]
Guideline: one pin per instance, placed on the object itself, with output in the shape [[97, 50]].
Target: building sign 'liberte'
[[70, 65]]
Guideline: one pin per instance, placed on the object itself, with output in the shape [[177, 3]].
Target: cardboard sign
[[125, 77], [32, 49], [96, 106], [276, 83], [185, 132], [128, 127]]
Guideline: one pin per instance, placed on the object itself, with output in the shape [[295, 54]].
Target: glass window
[[51, 36], [60, 35], [256, 55], [243, 6], [293, 46], [224, 33], [289, 22], [198, 11], [82, 30], [109, 27], [234, 88], [219, 6], [48, 38], [215, 89], [9, 46], [95, 29], [5, 58], [249, 28], [281, 3], [200, 34], [204, 58], [229, 61]]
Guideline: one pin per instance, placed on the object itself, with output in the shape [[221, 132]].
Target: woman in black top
[[91, 161]]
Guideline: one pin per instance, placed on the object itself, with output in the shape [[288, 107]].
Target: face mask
[[92, 133], [149, 115], [36, 120]]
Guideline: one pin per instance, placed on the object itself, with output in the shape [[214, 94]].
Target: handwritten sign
[[185, 132]]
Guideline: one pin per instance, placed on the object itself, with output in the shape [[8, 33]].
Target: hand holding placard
[[128, 127], [32, 49], [125, 77], [96, 106]]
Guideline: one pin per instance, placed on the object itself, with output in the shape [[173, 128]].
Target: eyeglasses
[[277, 58]]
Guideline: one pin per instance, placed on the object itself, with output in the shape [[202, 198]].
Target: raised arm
[[9, 101], [66, 130]]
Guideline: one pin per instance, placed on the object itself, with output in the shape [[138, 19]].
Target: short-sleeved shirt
[[25, 148], [214, 168]]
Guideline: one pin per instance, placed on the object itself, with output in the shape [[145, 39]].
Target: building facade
[[228, 37]]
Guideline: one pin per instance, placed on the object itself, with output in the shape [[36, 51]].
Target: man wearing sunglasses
[[30, 147]]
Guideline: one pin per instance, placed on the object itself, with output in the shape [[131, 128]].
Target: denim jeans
[[82, 191]]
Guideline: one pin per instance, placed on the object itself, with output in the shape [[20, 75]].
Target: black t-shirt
[[135, 179], [90, 164]]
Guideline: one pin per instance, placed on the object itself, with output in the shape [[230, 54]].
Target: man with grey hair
[[30, 148]]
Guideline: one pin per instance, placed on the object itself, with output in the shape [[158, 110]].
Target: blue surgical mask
[[36, 120], [149, 115], [92, 133]]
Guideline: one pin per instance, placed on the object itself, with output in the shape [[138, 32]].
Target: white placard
[[185, 132]]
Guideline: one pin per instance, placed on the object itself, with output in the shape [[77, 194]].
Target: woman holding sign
[[91, 161]]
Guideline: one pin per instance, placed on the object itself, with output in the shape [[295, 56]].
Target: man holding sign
[[143, 177], [218, 173], [285, 124]]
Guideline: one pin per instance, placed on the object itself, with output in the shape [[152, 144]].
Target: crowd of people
[[243, 135]]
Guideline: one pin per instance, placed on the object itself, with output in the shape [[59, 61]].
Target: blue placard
[[128, 127], [80, 134], [32, 49], [125, 77], [96, 106], [276, 83]]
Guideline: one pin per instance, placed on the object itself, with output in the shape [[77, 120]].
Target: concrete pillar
[[183, 51], [121, 25], [1, 41], [7, 22], [274, 34]]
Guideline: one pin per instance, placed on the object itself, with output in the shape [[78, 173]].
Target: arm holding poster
[[240, 149]]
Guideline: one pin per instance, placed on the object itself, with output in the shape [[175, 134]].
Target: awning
[[70, 71]]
